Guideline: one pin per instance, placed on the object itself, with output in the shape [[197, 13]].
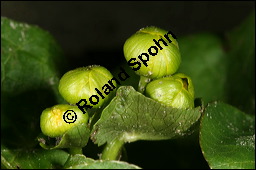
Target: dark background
[[94, 33]]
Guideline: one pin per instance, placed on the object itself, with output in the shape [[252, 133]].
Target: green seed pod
[[55, 121], [88, 83], [152, 52], [176, 91]]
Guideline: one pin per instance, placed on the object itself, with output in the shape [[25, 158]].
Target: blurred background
[[89, 29], [94, 33]]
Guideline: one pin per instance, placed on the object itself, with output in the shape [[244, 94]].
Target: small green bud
[[55, 121], [89, 83], [152, 52], [176, 91]]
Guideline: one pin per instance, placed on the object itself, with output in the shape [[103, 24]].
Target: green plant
[[51, 120], [31, 82], [176, 91], [86, 83], [150, 49]]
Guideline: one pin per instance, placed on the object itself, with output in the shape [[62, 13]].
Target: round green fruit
[[55, 121], [176, 91], [89, 83], [152, 52]]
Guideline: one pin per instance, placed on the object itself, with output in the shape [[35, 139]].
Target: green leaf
[[29, 57], [32, 159], [76, 137], [204, 60], [227, 137], [131, 116], [241, 65], [30, 60], [81, 162]]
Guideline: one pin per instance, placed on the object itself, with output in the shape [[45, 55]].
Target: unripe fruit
[[52, 121], [87, 83], [176, 91], [152, 52]]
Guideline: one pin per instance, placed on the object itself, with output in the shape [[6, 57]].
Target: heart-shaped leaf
[[227, 137], [131, 116], [30, 62]]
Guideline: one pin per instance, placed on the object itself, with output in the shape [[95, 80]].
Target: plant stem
[[112, 150], [74, 151], [142, 84]]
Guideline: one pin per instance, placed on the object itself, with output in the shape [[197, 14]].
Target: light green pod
[[56, 120], [88, 83], [152, 52], [176, 91]]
